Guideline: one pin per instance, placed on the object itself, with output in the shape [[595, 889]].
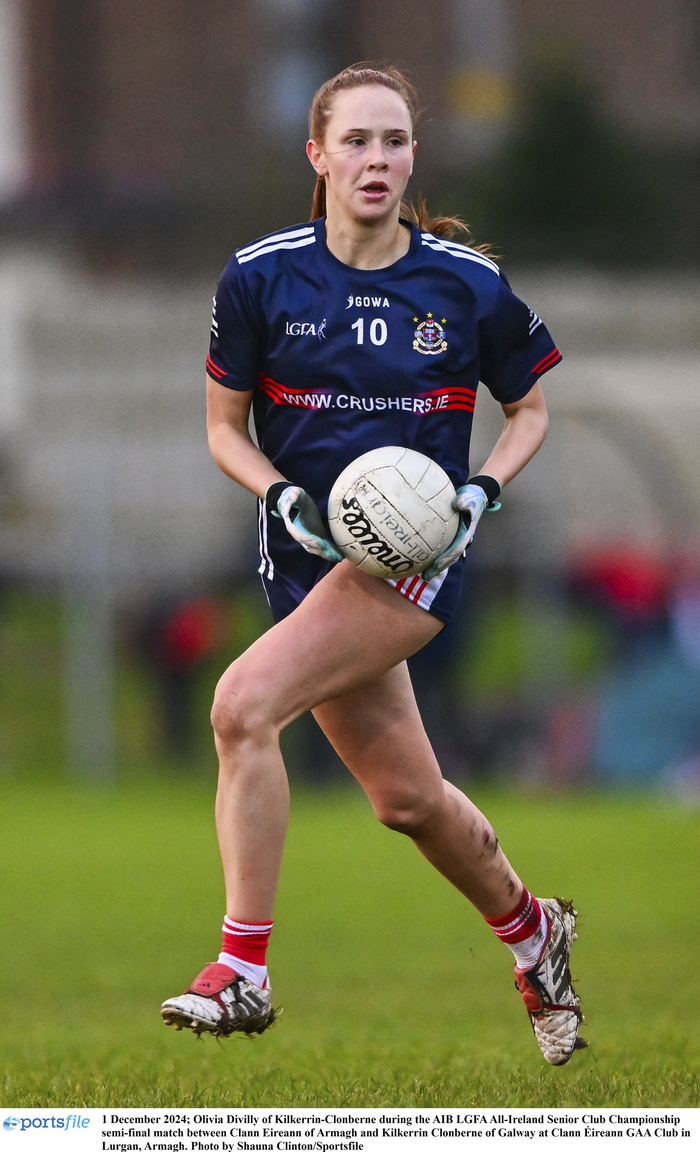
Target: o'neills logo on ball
[[359, 526]]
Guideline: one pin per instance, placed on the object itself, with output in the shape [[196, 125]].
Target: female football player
[[364, 328]]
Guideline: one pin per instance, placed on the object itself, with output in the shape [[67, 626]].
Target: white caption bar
[[328, 1129]]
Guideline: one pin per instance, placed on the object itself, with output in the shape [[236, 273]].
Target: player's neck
[[368, 245]]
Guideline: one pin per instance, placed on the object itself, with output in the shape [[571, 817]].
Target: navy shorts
[[289, 573]]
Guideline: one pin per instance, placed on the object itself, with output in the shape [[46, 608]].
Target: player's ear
[[316, 159]]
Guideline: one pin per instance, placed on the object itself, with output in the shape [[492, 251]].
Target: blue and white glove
[[302, 519], [471, 501]]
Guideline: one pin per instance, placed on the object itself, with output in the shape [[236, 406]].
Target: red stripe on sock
[[521, 923], [501, 921], [247, 944]]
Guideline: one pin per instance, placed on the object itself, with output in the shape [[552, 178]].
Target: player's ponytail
[[318, 202], [356, 76], [440, 225]]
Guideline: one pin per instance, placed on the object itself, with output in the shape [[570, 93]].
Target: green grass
[[394, 992]]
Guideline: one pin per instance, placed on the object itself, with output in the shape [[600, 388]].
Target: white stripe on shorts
[[265, 559]]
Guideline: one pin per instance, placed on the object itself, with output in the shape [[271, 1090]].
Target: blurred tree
[[570, 184]]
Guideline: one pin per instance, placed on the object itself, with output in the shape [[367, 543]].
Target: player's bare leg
[[346, 640], [349, 630], [378, 733]]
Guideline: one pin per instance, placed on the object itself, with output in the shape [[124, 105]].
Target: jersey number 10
[[377, 331]]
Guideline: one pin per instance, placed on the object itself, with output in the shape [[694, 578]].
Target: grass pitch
[[393, 990]]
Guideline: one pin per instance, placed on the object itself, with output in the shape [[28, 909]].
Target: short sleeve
[[235, 347], [515, 347]]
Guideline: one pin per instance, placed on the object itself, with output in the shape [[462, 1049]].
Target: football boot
[[547, 991], [220, 1002]]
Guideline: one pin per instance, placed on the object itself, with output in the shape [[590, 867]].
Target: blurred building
[[139, 140], [168, 132], [140, 143]]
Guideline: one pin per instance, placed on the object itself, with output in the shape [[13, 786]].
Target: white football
[[391, 513]]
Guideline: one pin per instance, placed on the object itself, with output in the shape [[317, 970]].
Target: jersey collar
[[368, 273]]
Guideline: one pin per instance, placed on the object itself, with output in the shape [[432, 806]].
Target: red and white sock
[[524, 930], [243, 949]]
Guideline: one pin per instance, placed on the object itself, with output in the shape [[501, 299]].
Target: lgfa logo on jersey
[[296, 328], [430, 336]]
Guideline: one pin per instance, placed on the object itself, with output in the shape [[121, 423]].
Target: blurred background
[[139, 145]]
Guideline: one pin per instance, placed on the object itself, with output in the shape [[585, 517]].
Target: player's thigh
[[378, 733], [349, 631]]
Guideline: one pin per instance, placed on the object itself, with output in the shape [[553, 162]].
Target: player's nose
[[376, 157]]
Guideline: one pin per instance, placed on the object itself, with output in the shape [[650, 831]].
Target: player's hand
[[471, 501], [302, 519]]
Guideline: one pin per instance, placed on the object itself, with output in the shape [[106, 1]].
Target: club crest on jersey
[[429, 336]]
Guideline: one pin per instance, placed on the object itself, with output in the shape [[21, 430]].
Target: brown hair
[[357, 76]]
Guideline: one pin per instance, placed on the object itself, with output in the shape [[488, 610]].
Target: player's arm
[[233, 449], [525, 428], [230, 442], [526, 423]]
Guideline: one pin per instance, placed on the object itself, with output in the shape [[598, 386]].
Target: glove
[[302, 519], [471, 501]]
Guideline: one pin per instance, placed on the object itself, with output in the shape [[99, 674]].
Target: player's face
[[367, 153]]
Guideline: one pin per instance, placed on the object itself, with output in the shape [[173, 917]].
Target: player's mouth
[[375, 189]]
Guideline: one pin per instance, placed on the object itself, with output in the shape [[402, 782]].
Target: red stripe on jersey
[[453, 390], [214, 369], [270, 390], [458, 398], [275, 391], [295, 397], [548, 362], [267, 382]]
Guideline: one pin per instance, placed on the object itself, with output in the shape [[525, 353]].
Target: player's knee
[[238, 712], [406, 814]]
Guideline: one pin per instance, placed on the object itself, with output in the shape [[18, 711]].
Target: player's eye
[[355, 140]]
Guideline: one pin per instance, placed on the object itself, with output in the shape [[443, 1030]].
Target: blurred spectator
[[685, 614], [177, 639], [648, 711], [683, 777], [569, 741], [433, 674], [629, 586], [649, 717]]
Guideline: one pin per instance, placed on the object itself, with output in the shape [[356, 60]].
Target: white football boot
[[220, 1002], [547, 991]]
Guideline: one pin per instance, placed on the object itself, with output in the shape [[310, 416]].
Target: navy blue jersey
[[343, 360]]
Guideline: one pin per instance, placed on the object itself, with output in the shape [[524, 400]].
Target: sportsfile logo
[[24, 1123]]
